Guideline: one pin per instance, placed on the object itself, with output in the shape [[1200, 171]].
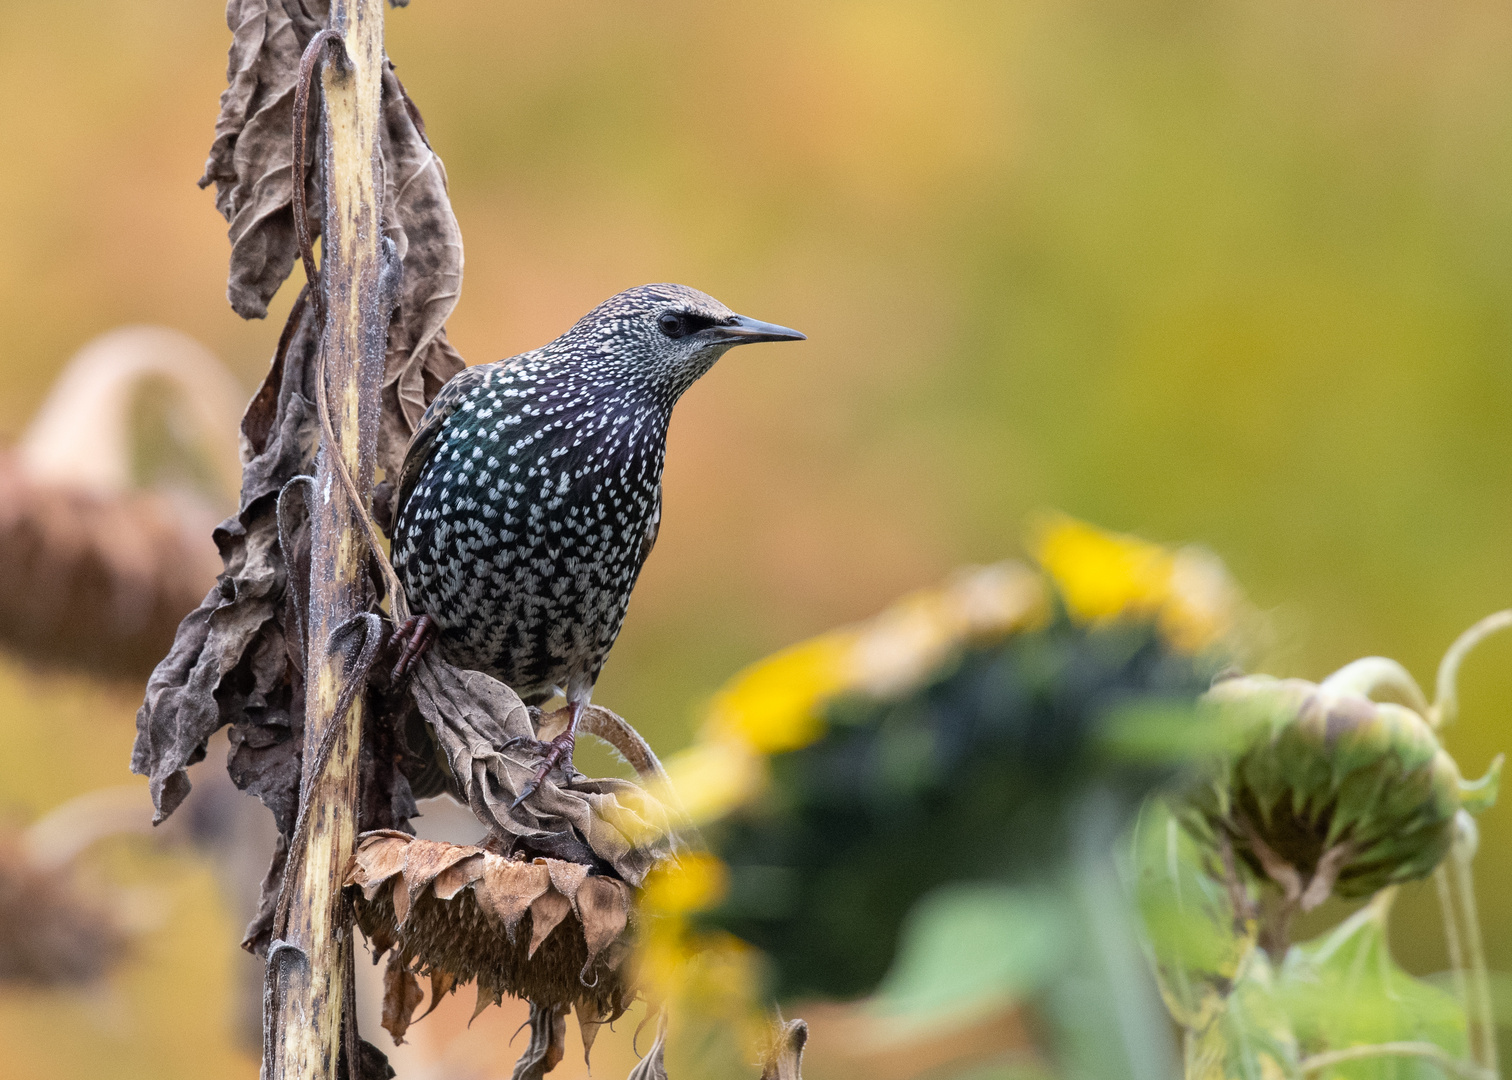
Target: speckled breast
[[527, 527]]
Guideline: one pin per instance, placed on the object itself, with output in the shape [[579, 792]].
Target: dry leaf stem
[[305, 1040]]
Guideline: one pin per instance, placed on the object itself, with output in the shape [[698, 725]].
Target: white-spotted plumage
[[531, 493]]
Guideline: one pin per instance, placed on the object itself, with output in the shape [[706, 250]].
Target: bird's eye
[[672, 325]]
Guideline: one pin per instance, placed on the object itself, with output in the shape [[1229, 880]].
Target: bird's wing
[[446, 401]]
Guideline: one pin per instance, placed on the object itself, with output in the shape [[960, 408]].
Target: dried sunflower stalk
[[238, 658]]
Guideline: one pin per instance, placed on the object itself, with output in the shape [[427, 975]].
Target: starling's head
[[668, 335]]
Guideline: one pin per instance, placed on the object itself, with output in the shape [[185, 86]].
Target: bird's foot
[[412, 638], [558, 750]]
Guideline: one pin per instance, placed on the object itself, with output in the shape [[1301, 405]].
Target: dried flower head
[[553, 932], [51, 933]]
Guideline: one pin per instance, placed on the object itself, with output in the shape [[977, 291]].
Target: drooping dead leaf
[[457, 877], [230, 662], [654, 1065], [401, 997], [546, 913], [442, 983], [506, 889], [423, 860], [251, 165], [374, 863], [548, 1043], [603, 905], [589, 1023], [251, 157], [418, 218]]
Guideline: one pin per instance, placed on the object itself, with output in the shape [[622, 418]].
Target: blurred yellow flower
[[777, 704], [774, 705], [1103, 576], [710, 778], [1205, 602], [902, 646], [705, 977], [691, 882]]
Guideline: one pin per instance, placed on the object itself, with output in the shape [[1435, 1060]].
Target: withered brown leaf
[[654, 1065], [490, 744], [251, 158], [401, 997], [548, 1043], [506, 889], [418, 218], [251, 165], [230, 662]]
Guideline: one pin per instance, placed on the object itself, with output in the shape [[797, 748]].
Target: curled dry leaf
[[234, 659], [548, 1043], [654, 1065], [251, 156], [251, 166], [418, 218], [546, 930], [491, 746]]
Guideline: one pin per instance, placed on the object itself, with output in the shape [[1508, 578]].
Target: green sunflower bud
[[1333, 793]]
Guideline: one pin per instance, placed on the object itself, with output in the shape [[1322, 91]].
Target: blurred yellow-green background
[[1236, 272]]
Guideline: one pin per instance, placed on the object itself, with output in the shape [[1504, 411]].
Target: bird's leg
[[414, 636], [557, 750]]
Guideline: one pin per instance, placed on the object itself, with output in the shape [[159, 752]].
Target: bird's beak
[[743, 331]]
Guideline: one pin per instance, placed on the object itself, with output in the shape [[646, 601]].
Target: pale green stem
[[1446, 694], [1437, 1054], [1481, 1009], [1379, 679], [1142, 1025], [1452, 937]]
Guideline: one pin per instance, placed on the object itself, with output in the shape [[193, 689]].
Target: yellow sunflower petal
[[775, 705], [1103, 575]]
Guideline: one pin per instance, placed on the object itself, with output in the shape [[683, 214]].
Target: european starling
[[531, 493]]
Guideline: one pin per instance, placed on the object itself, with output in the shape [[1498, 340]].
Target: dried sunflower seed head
[[52, 933], [551, 931]]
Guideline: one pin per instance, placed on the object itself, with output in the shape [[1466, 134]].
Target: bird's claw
[[558, 749], [415, 635]]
